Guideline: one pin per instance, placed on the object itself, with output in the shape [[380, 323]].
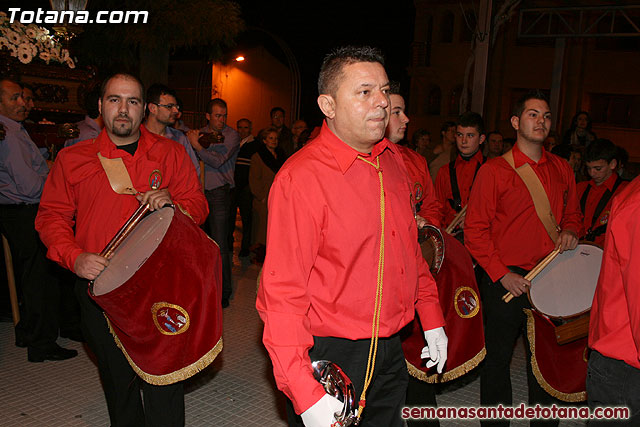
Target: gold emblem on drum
[[170, 319], [466, 301]]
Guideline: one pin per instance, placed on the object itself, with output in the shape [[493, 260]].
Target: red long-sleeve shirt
[[614, 328], [78, 192], [593, 198], [323, 240], [465, 172], [422, 188], [501, 226]]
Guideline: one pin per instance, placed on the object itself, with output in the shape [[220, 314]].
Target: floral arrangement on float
[[28, 42]]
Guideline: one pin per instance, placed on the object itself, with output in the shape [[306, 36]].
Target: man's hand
[[89, 265], [421, 222], [321, 413], [156, 198], [436, 348], [515, 283], [192, 136], [567, 240]]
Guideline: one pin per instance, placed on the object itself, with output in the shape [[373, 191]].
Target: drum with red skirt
[[161, 294], [558, 324], [452, 268]]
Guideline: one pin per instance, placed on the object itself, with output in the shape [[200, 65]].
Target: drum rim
[[533, 306]]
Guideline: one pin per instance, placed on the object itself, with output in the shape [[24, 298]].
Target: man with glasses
[[220, 163], [162, 113]]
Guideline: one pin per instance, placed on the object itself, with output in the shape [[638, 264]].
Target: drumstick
[[456, 220], [125, 230], [535, 271]]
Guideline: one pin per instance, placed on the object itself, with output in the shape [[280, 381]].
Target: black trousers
[[503, 324], [243, 200], [163, 405], [386, 394], [40, 287], [421, 394], [612, 382]]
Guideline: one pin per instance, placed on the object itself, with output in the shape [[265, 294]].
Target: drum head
[[134, 251], [565, 288]]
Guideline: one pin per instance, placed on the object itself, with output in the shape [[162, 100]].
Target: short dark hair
[[91, 102], [494, 132], [518, 109], [394, 88], [446, 125], [275, 110], [216, 101], [156, 90], [601, 149], [244, 120], [336, 60], [103, 87], [417, 135], [28, 86], [10, 78], [471, 119]]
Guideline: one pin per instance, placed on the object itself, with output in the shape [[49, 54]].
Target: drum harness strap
[[456, 200], [592, 233], [538, 195], [375, 327]]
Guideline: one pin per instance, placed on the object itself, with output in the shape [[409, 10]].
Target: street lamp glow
[[240, 58]]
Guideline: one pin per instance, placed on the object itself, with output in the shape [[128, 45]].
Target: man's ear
[[100, 105], [613, 164], [207, 116], [482, 139], [327, 105], [515, 122]]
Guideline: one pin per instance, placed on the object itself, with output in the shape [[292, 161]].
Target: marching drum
[[565, 289], [460, 303], [161, 296], [558, 324]]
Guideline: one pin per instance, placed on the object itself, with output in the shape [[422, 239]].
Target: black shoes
[[54, 353]]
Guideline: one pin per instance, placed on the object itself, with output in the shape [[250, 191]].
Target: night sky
[[312, 31]]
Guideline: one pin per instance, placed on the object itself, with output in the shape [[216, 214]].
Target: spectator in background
[[179, 124], [92, 124], [285, 138], [265, 163], [551, 142], [27, 95], [421, 142], [445, 151], [494, 145], [297, 128], [243, 198], [579, 134]]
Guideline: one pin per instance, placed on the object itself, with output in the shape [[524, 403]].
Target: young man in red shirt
[[507, 238], [454, 181], [613, 376], [596, 194]]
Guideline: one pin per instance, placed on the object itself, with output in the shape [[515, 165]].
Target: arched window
[[446, 27]]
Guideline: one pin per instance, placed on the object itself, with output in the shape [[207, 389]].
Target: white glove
[[436, 348], [321, 413]]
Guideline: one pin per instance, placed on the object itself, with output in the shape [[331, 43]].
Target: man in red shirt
[[78, 194], [507, 238], [613, 376], [343, 265], [596, 194], [427, 205], [454, 181]]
